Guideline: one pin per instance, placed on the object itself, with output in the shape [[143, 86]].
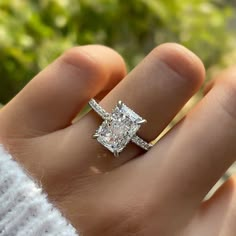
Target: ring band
[[118, 128]]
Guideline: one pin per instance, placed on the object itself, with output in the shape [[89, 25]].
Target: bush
[[33, 33]]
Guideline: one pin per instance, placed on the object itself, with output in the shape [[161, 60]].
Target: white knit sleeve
[[24, 209]]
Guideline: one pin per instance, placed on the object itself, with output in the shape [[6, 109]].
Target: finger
[[218, 214], [156, 90], [197, 152], [53, 98], [221, 76], [159, 87]]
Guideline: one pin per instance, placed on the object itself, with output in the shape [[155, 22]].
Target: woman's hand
[[159, 192]]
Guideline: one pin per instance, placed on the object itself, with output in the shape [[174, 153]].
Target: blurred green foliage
[[33, 33]]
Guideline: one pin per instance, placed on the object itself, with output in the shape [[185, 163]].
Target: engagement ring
[[118, 128]]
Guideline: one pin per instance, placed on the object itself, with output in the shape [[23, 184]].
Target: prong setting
[[118, 128], [143, 121], [96, 135], [120, 104], [116, 153]]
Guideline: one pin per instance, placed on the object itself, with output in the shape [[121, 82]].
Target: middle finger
[[195, 153]]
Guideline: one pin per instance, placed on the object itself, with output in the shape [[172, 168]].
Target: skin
[[159, 192]]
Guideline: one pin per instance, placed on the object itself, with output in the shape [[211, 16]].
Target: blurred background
[[33, 33]]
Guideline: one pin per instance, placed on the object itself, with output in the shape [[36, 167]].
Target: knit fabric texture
[[24, 209]]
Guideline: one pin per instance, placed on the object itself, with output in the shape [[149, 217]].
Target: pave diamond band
[[100, 111], [118, 128]]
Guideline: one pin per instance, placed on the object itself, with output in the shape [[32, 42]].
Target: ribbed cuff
[[24, 209]]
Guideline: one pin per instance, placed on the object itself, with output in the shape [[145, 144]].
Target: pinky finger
[[230, 72], [217, 216]]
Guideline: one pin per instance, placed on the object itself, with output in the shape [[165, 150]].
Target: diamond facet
[[116, 132]]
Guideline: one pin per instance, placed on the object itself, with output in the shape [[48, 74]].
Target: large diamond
[[116, 132]]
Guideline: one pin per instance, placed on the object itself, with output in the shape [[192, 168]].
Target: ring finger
[[156, 89]]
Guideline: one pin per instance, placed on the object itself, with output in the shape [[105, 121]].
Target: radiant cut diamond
[[117, 131]]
